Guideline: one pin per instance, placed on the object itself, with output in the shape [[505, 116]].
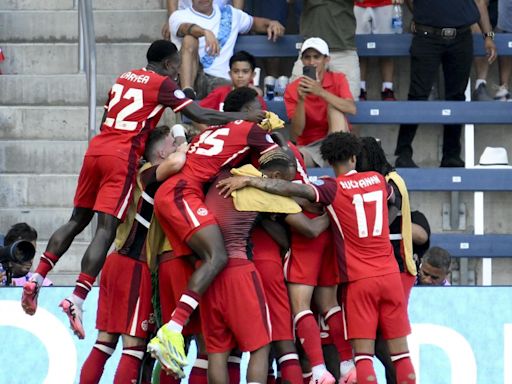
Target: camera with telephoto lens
[[20, 251]]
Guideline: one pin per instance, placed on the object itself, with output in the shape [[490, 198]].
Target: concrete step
[[41, 191], [62, 58], [45, 122], [70, 261], [51, 89], [73, 4], [62, 26], [32, 156], [44, 220]]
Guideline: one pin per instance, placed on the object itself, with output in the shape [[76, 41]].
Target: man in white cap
[[317, 101]]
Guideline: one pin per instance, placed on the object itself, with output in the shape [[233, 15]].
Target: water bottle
[[269, 83], [396, 19]]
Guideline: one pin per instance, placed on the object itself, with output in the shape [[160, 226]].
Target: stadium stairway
[[43, 98]]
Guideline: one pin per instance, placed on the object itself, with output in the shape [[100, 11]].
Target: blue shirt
[[446, 13]]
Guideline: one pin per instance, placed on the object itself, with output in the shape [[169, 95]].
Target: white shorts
[[373, 20]]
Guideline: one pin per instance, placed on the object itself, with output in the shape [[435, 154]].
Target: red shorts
[[173, 277], [234, 310], [312, 261], [105, 184], [181, 211], [408, 281], [375, 303], [124, 304]]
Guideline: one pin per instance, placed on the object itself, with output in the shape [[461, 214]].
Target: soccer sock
[[388, 85], [95, 362], [199, 372], [168, 379], [404, 369], [290, 368], [46, 263], [271, 379], [308, 333], [306, 377], [234, 368], [334, 319], [83, 285], [364, 369], [188, 302], [129, 365]]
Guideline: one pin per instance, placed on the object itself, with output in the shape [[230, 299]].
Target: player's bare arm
[[307, 227], [210, 116], [173, 163]]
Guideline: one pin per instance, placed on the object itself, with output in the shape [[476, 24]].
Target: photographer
[[20, 270]]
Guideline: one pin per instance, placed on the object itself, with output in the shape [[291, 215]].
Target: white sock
[[78, 301], [37, 278], [363, 85], [388, 85], [346, 366], [318, 371], [174, 326], [480, 81]]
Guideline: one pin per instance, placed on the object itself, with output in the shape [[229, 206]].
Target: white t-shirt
[[241, 23], [183, 4]]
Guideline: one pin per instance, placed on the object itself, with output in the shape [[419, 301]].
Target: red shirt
[[372, 3], [224, 146], [135, 104], [316, 108], [215, 99], [357, 203]]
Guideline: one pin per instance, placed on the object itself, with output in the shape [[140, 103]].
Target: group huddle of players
[[216, 219]]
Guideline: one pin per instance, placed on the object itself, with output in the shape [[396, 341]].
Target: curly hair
[[160, 50], [20, 231], [372, 157], [339, 147], [237, 98]]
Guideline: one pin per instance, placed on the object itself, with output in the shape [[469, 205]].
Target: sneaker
[[362, 95], [74, 313], [503, 95], [388, 95], [158, 352], [29, 297], [326, 378], [172, 349], [481, 93], [349, 378], [452, 162], [405, 162]]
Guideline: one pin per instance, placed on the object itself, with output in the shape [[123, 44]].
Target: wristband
[[178, 130]]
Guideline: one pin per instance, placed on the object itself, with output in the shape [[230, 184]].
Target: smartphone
[[309, 71]]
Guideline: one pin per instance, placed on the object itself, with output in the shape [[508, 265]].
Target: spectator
[[207, 36], [434, 267], [316, 107], [174, 5], [374, 17], [442, 36], [20, 271], [505, 62], [334, 22]]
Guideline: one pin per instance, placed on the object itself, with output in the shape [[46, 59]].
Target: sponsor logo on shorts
[[144, 325], [202, 211], [179, 94]]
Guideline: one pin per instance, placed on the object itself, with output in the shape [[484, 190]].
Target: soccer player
[[124, 304], [135, 105], [188, 223], [373, 295]]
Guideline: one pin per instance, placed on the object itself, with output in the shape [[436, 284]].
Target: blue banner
[[461, 335]]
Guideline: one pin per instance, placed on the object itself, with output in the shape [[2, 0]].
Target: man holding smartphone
[[316, 103]]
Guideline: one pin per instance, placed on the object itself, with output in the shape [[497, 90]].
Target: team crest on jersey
[[144, 325], [179, 94], [202, 211]]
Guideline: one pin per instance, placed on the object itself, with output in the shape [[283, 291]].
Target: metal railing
[[87, 58]]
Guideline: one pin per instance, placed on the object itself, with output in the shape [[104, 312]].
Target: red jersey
[[316, 108], [215, 99], [372, 3], [223, 146], [135, 104], [357, 203]]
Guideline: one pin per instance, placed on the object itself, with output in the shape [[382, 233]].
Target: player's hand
[[166, 33], [211, 43], [231, 184], [183, 148], [309, 86], [255, 116], [490, 48], [274, 30]]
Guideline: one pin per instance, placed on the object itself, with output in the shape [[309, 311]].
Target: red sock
[[271, 379], [188, 302], [404, 369], [199, 372], [234, 369], [306, 377], [334, 319], [95, 362], [129, 365], [46, 263], [308, 334], [168, 379], [289, 365], [83, 285], [364, 369]]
